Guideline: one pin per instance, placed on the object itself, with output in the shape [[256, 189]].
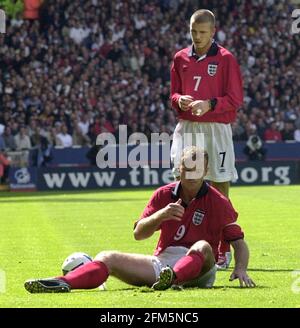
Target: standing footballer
[[206, 91]]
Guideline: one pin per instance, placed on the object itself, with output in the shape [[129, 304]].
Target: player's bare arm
[[184, 102], [241, 256], [146, 227], [199, 107]]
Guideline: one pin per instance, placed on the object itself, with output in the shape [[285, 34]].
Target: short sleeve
[[155, 203], [231, 229], [152, 206]]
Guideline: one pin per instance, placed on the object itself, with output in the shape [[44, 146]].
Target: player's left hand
[[245, 280], [199, 107]]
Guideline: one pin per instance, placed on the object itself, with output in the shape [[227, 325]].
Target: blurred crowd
[[87, 66]]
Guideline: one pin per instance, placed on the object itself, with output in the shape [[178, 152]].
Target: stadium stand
[[79, 68]]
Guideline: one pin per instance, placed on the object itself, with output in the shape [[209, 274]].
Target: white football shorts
[[216, 139], [174, 253]]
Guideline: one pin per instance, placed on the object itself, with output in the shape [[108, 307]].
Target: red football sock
[[88, 276], [188, 267]]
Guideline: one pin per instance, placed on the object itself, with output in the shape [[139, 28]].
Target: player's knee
[[101, 256], [203, 247], [107, 257]]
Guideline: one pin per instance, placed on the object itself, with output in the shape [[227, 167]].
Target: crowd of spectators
[[87, 66]]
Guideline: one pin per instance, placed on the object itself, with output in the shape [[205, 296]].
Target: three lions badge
[[212, 68], [198, 217]]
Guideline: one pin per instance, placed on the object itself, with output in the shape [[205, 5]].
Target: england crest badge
[[198, 217], [212, 69]]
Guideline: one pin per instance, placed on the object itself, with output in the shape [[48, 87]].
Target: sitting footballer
[[191, 216]]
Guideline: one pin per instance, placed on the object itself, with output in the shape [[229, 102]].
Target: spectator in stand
[[254, 149], [47, 73], [238, 132], [272, 133], [63, 138], [22, 140], [40, 142], [261, 127], [79, 138], [143, 127], [104, 125], [31, 9], [297, 135], [84, 124], [288, 131], [53, 135]]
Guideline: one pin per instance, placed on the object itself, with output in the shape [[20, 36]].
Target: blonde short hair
[[203, 16], [191, 153]]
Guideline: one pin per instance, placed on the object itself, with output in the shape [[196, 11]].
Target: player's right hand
[[184, 102], [245, 280], [173, 211]]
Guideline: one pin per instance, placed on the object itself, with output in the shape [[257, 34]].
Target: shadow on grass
[[71, 200], [260, 270], [150, 290], [96, 290], [240, 288], [10, 194], [270, 270]]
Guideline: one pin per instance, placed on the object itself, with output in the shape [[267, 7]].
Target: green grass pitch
[[38, 231]]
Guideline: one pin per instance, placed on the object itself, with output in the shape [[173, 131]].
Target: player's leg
[[224, 247], [207, 275], [223, 187], [135, 269], [197, 262], [87, 276], [220, 149], [221, 171]]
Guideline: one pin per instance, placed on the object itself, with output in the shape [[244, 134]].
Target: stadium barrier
[[77, 156], [82, 178]]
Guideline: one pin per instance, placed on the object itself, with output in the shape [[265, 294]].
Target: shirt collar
[[202, 191], [212, 51]]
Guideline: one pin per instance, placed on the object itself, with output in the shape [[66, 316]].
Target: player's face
[[202, 35], [192, 176]]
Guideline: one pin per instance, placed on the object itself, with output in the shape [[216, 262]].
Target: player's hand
[[199, 107], [184, 102], [245, 280], [173, 211]]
